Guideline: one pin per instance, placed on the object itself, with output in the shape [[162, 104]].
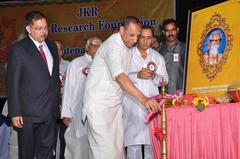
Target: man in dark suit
[[33, 89]]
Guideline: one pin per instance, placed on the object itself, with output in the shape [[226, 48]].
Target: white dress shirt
[[47, 54]]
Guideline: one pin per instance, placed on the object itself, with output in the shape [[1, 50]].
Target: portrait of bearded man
[[214, 47]]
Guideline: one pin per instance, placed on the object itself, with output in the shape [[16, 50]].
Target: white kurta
[[135, 128], [103, 99], [76, 133], [73, 92]]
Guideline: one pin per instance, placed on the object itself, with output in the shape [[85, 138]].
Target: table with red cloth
[[211, 134]]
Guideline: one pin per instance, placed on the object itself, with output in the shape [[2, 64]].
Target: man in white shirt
[[76, 133], [103, 93], [147, 69]]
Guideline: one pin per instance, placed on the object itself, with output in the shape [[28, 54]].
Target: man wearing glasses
[[173, 52], [33, 89], [213, 55]]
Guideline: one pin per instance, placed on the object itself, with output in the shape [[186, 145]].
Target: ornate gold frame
[[211, 70]]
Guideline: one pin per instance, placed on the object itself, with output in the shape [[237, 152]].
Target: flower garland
[[193, 99]]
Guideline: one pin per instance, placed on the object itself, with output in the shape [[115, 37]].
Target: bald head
[[92, 45]]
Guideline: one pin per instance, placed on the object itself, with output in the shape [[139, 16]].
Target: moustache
[[170, 36]]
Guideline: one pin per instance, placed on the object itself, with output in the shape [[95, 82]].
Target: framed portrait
[[212, 56]]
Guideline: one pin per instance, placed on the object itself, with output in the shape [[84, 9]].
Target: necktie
[[43, 54]]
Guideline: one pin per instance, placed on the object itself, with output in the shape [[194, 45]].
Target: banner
[[213, 53], [74, 22]]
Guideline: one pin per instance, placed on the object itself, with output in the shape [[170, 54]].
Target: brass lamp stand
[[164, 124]]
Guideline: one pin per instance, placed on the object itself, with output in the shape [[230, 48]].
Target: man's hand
[[67, 121], [151, 105], [17, 121], [145, 74], [62, 80], [127, 85]]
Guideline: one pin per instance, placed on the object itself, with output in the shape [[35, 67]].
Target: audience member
[[13, 140], [173, 52], [76, 134], [155, 43], [5, 131], [60, 127], [63, 64]]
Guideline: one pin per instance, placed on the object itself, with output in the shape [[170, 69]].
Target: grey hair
[[89, 40]]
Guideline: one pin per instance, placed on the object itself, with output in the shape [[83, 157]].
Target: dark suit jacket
[[31, 91]]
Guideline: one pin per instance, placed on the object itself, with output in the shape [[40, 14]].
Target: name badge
[[85, 70], [175, 57], [152, 66]]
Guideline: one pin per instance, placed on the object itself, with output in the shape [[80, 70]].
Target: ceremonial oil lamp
[[164, 123]]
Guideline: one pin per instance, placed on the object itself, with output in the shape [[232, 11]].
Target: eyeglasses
[[216, 40], [46, 28], [95, 45]]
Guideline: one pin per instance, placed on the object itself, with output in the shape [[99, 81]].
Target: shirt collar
[[139, 54], [88, 56], [121, 41], [36, 42], [167, 46]]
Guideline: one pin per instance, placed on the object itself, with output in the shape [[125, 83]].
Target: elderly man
[[213, 55], [33, 89], [104, 88], [76, 134], [147, 69], [173, 52]]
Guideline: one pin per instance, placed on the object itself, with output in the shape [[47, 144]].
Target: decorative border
[[211, 70]]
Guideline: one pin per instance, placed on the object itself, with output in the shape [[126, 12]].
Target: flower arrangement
[[200, 102], [193, 99]]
